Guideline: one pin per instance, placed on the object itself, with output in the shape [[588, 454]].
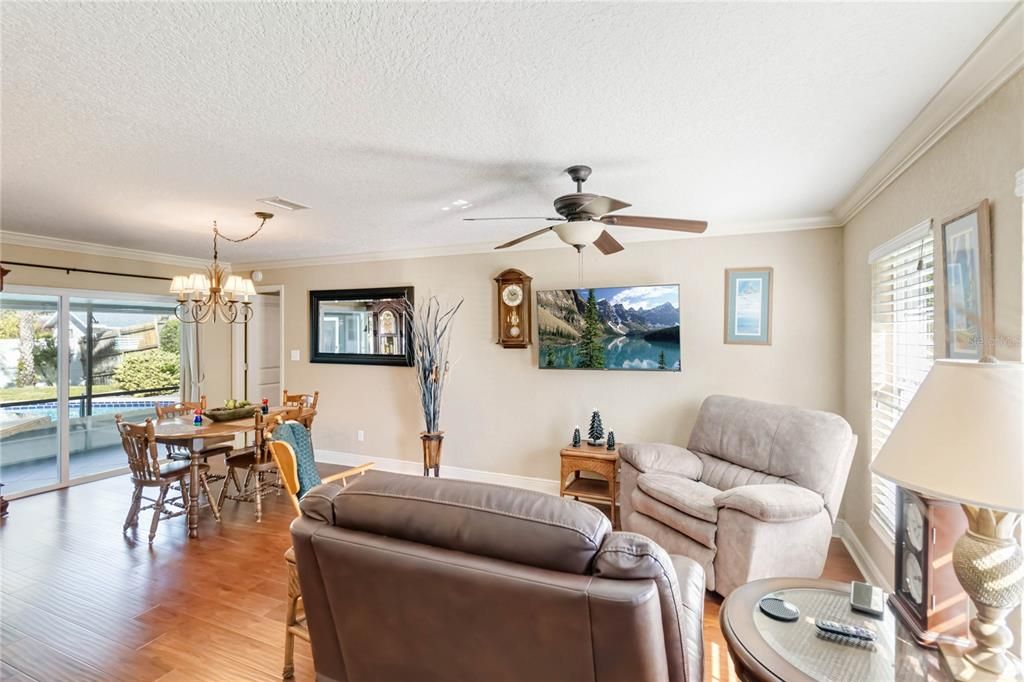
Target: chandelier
[[216, 294]]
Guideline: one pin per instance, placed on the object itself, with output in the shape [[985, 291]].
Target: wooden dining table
[[182, 432]]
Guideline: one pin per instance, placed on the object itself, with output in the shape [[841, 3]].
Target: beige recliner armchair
[[753, 495], [411, 578]]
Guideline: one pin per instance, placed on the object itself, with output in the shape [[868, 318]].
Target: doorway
[[259, 350]]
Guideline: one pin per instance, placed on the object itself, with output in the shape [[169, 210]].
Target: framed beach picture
[[748, 306], [963, 266]]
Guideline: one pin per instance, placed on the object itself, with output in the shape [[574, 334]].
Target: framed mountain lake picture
[[617, 328], [748, 306]]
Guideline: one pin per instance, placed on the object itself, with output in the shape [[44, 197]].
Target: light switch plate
[[295, 356]]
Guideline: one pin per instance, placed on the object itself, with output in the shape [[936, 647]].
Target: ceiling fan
[[583, 217]]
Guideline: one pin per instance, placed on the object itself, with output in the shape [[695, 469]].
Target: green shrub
[[44, 357], [148, 369], [170, 336]]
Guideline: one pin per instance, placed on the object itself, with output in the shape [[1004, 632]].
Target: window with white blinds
[[902, 346]]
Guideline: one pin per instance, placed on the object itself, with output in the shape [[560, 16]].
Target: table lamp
[[961, 438]]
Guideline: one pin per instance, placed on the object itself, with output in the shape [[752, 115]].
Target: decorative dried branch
[[431, 339]]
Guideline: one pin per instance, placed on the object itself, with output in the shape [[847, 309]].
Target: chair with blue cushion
[[292, 447]]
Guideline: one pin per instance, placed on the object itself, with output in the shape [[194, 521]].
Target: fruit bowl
[[223, 414]]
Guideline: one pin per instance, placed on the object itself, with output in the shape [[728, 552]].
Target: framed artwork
[[610, 328], [748, 306], [963, 266]]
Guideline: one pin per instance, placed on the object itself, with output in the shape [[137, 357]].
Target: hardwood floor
[[80, 601], [717, 664]]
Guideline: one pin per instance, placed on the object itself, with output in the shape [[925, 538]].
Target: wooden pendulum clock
[[513, 308]]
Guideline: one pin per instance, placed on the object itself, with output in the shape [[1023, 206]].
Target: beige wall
[[503, 414], [976, 160], [214, 339]]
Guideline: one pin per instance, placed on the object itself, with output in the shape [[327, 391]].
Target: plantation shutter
[[902, 344]]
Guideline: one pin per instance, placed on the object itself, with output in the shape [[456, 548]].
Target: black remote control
[[844, 630]]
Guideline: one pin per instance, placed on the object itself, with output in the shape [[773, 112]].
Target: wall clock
[[927, 596], [513, 308]]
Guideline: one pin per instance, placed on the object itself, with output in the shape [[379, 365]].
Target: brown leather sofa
[[407, 578]]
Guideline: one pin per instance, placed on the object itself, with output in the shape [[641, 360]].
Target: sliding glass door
[[124, 358], [90, 357], [29, 415]]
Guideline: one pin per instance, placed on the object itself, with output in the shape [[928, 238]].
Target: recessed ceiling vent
[[283, 203]]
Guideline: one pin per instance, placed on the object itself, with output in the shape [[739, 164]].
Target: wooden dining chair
[[139, 442], [292, 449], [211, 446], [301, 400], [258, 466]]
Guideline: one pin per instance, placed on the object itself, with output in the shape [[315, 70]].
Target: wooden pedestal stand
[[432, 452]]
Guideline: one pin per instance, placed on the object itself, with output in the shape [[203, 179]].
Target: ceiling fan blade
[[696, 226], [603, 205], [519, 240], [607, 244], [519, 218]]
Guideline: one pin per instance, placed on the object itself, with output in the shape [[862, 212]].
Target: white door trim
[[238, 347]]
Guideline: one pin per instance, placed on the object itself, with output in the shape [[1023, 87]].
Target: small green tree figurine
[[611, 440], [596, 432], [576, 439]]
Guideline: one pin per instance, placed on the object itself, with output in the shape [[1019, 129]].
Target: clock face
[[512, 295], [915, 526], [912, 577]]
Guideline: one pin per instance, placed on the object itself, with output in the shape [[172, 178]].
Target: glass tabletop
[[892, 656]]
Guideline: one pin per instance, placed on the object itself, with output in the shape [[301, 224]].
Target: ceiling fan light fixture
[[579, 232]]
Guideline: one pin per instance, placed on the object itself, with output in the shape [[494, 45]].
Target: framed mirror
[[361, 326]]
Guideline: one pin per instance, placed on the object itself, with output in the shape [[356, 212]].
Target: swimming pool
[[99, 406]]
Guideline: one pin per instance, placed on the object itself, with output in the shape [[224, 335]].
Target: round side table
[[768, 650]]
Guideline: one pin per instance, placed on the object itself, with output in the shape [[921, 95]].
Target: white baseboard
[[406, 466], [860, 556]]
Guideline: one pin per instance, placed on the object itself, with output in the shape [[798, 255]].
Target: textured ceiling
[[136, 124]]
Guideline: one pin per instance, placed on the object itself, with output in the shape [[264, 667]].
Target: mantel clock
[[927, 596]]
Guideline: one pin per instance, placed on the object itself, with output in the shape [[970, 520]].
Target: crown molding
[[994, 62], [732, 229], [57, 244], [718, 230], [1018, 187]]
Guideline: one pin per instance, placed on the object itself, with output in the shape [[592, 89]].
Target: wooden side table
[[596, 459]]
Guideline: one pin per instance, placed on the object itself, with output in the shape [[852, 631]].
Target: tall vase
[[432, 451]]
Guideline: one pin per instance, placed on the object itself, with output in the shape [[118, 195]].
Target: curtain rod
[[91, 272]]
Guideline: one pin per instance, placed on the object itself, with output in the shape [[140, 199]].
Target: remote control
[[844, 630]]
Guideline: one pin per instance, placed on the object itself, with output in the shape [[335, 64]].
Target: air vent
[[283, 203]]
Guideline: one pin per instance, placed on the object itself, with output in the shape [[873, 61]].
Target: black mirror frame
[[315, 355]]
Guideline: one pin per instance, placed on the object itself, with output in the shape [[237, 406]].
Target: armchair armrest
[[774, 502], [648, 457], [343, 475]]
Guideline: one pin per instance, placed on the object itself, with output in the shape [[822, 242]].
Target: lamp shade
[[961, 437], [198, 283], [179, 284], [233, 287]]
